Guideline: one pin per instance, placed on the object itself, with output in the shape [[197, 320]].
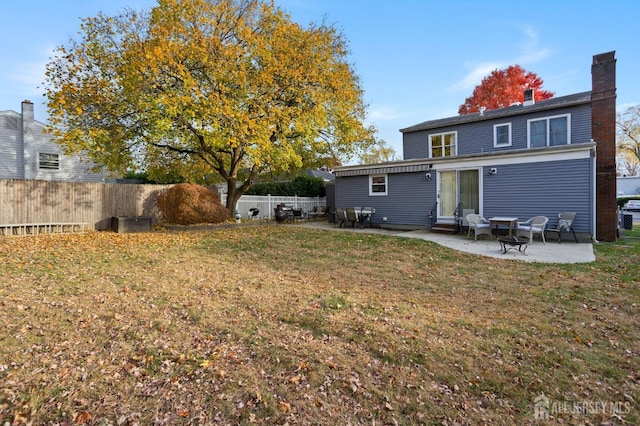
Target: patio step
[[444, 228]]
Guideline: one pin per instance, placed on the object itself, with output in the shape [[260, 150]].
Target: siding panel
[[520, 190], [535, 189], [408, 203], [477, 137], [11, 146]]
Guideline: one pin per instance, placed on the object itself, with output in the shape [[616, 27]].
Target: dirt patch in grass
[[277, 324]]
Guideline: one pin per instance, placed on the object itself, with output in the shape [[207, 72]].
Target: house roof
[[519, 109], [323, 174]]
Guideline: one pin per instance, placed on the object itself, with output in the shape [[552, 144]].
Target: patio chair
[[341, 217], [479, 225], [316, 212], [565, 224], [465, 213], [535, 225], [352, 217], [297, 214]]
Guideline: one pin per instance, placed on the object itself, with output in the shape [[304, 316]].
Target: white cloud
[[530, 53], [29, 74], [621, 108], [475, 76], [382, 114]]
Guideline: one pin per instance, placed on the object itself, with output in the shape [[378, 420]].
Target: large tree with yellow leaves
[[233, 87]]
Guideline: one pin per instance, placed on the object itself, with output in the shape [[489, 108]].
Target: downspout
[[594, 211]]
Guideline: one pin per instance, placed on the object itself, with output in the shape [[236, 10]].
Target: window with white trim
[[550, 131], [443, 144], [378, 185], [49, 161], [501, 135]]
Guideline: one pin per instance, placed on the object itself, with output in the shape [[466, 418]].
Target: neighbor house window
[[443, 144], [549, 131], [378, 185], [49, 161], [502, 135]]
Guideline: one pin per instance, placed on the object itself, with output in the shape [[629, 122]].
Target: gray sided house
[[538, 158], [26, 152]]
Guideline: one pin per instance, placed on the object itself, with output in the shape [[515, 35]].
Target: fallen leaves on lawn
[[218, 327]]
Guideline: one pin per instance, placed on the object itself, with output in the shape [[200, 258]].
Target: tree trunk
[[233, 195]]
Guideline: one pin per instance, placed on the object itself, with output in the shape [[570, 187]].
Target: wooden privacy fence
[[60, 203], [47, 206]]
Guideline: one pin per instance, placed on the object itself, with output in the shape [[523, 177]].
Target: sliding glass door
[[469, 190], [448, 194], [457, 186]]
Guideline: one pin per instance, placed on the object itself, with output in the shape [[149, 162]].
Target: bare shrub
[[188, 204]]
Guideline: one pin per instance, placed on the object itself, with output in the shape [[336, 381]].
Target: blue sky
[[417, 59]]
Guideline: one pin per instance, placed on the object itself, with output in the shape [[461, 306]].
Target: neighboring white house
[[26, 152], [628, 185]]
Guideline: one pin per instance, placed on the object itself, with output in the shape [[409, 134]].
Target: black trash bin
[[627, 221]]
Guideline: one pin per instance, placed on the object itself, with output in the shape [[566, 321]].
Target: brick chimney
[[528, 97], [603, 131]]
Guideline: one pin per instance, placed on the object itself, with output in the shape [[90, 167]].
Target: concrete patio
[[552, 252]]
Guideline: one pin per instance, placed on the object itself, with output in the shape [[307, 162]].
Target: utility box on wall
[[126, 224]]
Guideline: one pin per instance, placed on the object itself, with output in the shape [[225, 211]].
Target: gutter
[[503, 157]]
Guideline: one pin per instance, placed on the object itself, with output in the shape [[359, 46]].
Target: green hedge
[[302, 186]]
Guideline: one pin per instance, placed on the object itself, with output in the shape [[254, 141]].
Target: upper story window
[[378, 185], [49, 161], [549, 131], [443, 144], [502, 135]]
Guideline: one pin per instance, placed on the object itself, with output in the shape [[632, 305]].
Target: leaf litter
[[277, 325]]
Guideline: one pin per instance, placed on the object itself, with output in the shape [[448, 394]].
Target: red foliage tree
[[502, 88]]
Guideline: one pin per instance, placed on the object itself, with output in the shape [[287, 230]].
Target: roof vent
[[528, 97]]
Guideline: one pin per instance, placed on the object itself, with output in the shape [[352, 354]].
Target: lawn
[[279, 324]]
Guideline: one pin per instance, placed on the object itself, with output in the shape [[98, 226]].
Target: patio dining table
[[511, 222]]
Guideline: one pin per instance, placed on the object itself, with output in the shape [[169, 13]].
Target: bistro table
[[511, 222]]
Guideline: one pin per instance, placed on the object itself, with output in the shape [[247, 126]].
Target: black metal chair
[[297, 214], [565, 224]]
